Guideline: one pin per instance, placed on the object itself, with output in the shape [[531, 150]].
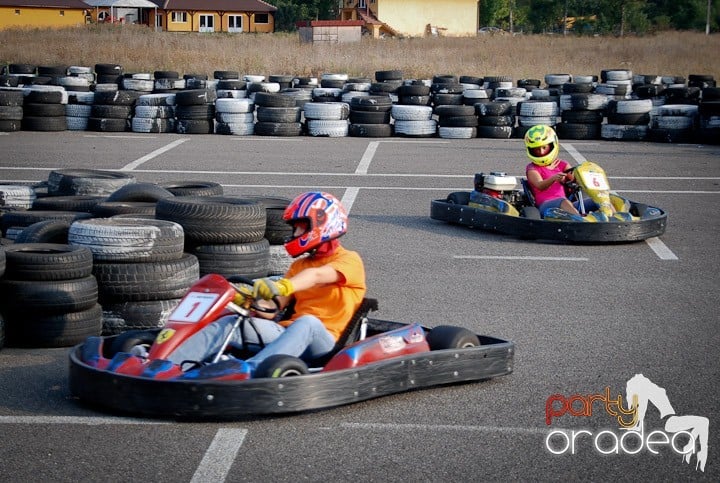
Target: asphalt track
[[584, 318]]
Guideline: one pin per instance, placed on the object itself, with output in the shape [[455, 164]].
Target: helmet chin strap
[[326, 249]]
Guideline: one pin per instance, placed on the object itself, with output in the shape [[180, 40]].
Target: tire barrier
[[107, 99]]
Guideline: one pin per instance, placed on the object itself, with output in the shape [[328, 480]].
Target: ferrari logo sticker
[[164, 335]]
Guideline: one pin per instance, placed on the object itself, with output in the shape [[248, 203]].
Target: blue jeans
[[590, 205], [306, 338], [206, 343]]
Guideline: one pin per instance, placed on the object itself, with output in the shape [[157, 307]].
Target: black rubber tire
[[92, 182], [215, 219], [193, 188], [54, 330], [108, 124], [194, 126], [370, 130], [47, 261], [47, 124], [140, 192], [47, 231], [451, 337], [272, 99], [276, 229], [251, 260], [48, 296], [2, 331], [141, 281], [43, 110], [281, 365], [278, 129], [24, 219], [106, 209], [278, 114], [127, 340], [146, 314], [116, 98], [67, 203]]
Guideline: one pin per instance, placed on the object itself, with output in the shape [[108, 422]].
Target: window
[[103, 16], [62, 13], [262, 18], [235, 23], [158, 20], [17, 11], [179, 17]]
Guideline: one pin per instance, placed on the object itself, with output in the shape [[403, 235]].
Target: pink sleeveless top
[[556, 190]]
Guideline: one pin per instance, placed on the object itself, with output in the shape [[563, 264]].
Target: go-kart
[[497, 204], [372, 358]]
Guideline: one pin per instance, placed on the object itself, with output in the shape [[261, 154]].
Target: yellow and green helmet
[[538, 136]]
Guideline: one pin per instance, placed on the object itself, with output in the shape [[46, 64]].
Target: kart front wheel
[[127, 340], [281, 365], [451, 337]]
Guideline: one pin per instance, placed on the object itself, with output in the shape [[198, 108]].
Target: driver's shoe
[[225, 370]]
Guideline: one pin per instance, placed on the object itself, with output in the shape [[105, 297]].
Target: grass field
[[138, 49]]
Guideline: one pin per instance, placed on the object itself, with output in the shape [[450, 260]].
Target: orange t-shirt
[[334, 304]]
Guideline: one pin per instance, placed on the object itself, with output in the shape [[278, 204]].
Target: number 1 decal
[[194, 307]]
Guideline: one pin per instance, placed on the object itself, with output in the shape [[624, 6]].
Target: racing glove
[[267, 288], [243, 292]]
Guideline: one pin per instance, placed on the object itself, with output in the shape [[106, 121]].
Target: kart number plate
[[194, 307], [595, 181]]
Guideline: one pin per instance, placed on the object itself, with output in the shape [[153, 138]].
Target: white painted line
[[443, 427], [108, 136], [660, 249], [367, 157], [83, 420], [579, 158], [220, 456], [507, 257], [349, 198], [148, 157]]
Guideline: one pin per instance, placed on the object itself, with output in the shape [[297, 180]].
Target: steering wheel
[[571, 187], [239, 279]]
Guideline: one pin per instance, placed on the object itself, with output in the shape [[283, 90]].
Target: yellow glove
[[267, 288], [243, 292]]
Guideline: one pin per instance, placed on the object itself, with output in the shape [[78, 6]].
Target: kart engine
[[498, 185]]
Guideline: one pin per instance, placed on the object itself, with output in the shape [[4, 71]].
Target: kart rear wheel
[[127, 340], [451, 337], [281, 365]]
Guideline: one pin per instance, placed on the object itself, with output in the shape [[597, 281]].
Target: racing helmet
[[538, 136], [325, 217]]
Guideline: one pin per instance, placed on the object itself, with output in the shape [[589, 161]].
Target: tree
[[291, 11]]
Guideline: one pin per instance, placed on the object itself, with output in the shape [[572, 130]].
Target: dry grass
[[138, 49]]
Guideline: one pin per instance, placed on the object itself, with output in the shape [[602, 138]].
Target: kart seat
[[527, 192]]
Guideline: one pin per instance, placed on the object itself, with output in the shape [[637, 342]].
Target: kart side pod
[[399, 342]]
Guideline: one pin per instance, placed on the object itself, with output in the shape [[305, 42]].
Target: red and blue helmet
[[325, 216]]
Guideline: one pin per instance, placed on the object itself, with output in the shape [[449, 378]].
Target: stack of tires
[[277, 115], [140, 266], [370, 117], [234, 116], [581, 115], [709, 115], [673, 123], [226, 234], [496, 119], [15, 223], [195, 111], [134, 199], [44, 108], [108, 74], [627, 119], [414, 92], [112, 110], [11, 110], [456, 121], [232, 88], [167, 82], [414, 121], [329, 119], [48, 295], [531, 113], [276, 232], [78, 109], [154, 113], [140, 82], [387, 83]]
